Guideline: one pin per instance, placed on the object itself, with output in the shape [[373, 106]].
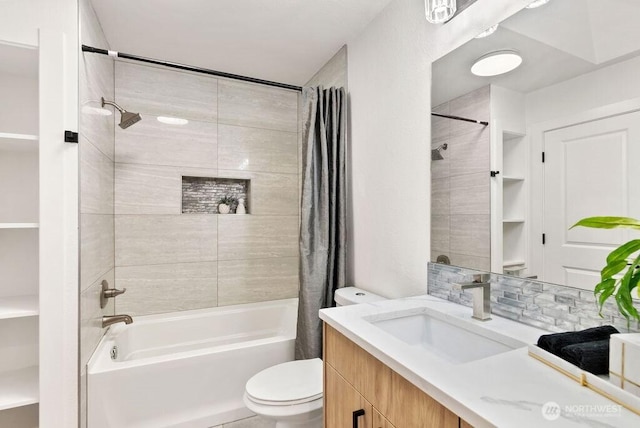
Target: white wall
[[591, 90], [390, 93]]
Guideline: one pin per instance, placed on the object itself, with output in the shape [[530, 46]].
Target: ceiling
[[558, 41], [280, 40]]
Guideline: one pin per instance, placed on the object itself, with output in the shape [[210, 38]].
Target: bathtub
[[186, 369]]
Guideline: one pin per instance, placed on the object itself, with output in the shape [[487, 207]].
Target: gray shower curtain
[[323, 212]]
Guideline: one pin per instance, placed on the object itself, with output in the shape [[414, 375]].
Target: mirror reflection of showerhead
[[435, 153], [126, 117]]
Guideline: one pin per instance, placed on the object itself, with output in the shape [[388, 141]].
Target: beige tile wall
[[170, 261], [460, 186]]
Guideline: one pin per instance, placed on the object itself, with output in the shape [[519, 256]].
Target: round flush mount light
[[495, 63], [172, 120], [439, 11], [537, 3], [489, 31]]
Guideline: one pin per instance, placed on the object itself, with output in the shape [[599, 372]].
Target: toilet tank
[[353, 295]]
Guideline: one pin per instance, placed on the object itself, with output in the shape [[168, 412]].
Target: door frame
[[536, 189]]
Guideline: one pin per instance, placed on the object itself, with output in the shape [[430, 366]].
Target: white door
[[590, 170]]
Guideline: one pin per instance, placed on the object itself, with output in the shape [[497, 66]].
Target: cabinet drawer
[[367, 375]]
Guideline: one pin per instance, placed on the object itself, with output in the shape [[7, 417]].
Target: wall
[[389, 85], [585, 92], [170, 261], [333, 73], [96, 144], [460, 194]]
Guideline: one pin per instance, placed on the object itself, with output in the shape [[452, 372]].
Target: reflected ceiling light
[[495, 63], [172, 120], [537, 3], [439, 11], [96, 111], [489, 31]]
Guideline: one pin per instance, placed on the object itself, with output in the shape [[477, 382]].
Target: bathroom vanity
[[424, 362], [358, 387]]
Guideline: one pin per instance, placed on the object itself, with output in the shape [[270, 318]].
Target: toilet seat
[[287, 384]]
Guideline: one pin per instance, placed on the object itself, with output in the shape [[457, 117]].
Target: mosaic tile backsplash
[[203, 194], [551, 307]]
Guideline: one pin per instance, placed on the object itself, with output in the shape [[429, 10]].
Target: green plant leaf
[[624, 250], [608, 222], [613, 268], [623, 295]]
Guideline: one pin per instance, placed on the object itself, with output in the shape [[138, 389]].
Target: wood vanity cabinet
[[355, 381]]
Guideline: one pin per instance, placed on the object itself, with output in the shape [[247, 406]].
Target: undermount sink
[[453, 340]]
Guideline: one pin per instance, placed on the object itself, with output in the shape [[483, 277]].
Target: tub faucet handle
[[108, 293]]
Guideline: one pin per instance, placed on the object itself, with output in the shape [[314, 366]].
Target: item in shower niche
[[241, 207], [225, 204]]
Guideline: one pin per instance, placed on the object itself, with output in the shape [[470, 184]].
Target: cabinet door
[[412, 408], [380, 421], [341, 401]]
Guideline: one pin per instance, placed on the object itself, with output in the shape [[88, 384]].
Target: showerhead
[[126, 117], [435, 153]]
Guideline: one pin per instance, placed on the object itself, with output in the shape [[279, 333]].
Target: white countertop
[[504, 390]]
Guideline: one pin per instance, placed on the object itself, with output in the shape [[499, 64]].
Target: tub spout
[[112, 319]]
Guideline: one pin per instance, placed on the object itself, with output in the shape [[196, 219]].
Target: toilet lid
[[293, 382]]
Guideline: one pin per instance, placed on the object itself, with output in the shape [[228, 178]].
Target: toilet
[[291, 393]]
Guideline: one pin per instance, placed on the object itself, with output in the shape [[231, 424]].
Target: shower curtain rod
[[446, 116], [117, 54]]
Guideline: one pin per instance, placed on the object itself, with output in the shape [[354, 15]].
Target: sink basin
[[453, 340]]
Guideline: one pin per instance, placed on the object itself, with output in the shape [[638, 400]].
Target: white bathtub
[[186, 369]]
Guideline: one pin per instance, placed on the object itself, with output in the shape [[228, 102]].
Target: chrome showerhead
[[126, 117], [435, 153]]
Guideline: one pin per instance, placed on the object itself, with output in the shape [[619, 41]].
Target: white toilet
[[291, 393]]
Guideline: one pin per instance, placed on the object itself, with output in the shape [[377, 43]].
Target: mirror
[[562, 131]]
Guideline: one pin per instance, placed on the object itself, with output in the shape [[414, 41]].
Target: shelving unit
[[18, 306], [19, 225], [18, 388], [19, 230], [514, 202]]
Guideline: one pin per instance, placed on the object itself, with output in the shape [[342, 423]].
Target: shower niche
[[203, 195]]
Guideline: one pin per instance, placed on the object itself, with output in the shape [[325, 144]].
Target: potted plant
[[225, 203], [622, 273]]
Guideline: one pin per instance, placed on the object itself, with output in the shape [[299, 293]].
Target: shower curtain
[[323, 212]]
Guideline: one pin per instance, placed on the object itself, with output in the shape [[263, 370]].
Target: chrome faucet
[[107, 320], [481, 290]]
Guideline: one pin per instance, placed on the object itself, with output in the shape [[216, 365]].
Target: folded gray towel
[[555, 342], [590, 356]]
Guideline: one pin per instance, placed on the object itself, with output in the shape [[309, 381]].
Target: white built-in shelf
[[513, 220], [19, 225], [509, 135], [18, 142], [511, 178], [18, 388], [9, 136], [18, 307]]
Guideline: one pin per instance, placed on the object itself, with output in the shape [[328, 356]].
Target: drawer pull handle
[[356, 415]]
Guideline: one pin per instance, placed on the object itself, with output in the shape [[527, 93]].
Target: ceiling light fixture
[[172, 120], [489, 31], [537, 3], [439, 11], [495, 63]]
